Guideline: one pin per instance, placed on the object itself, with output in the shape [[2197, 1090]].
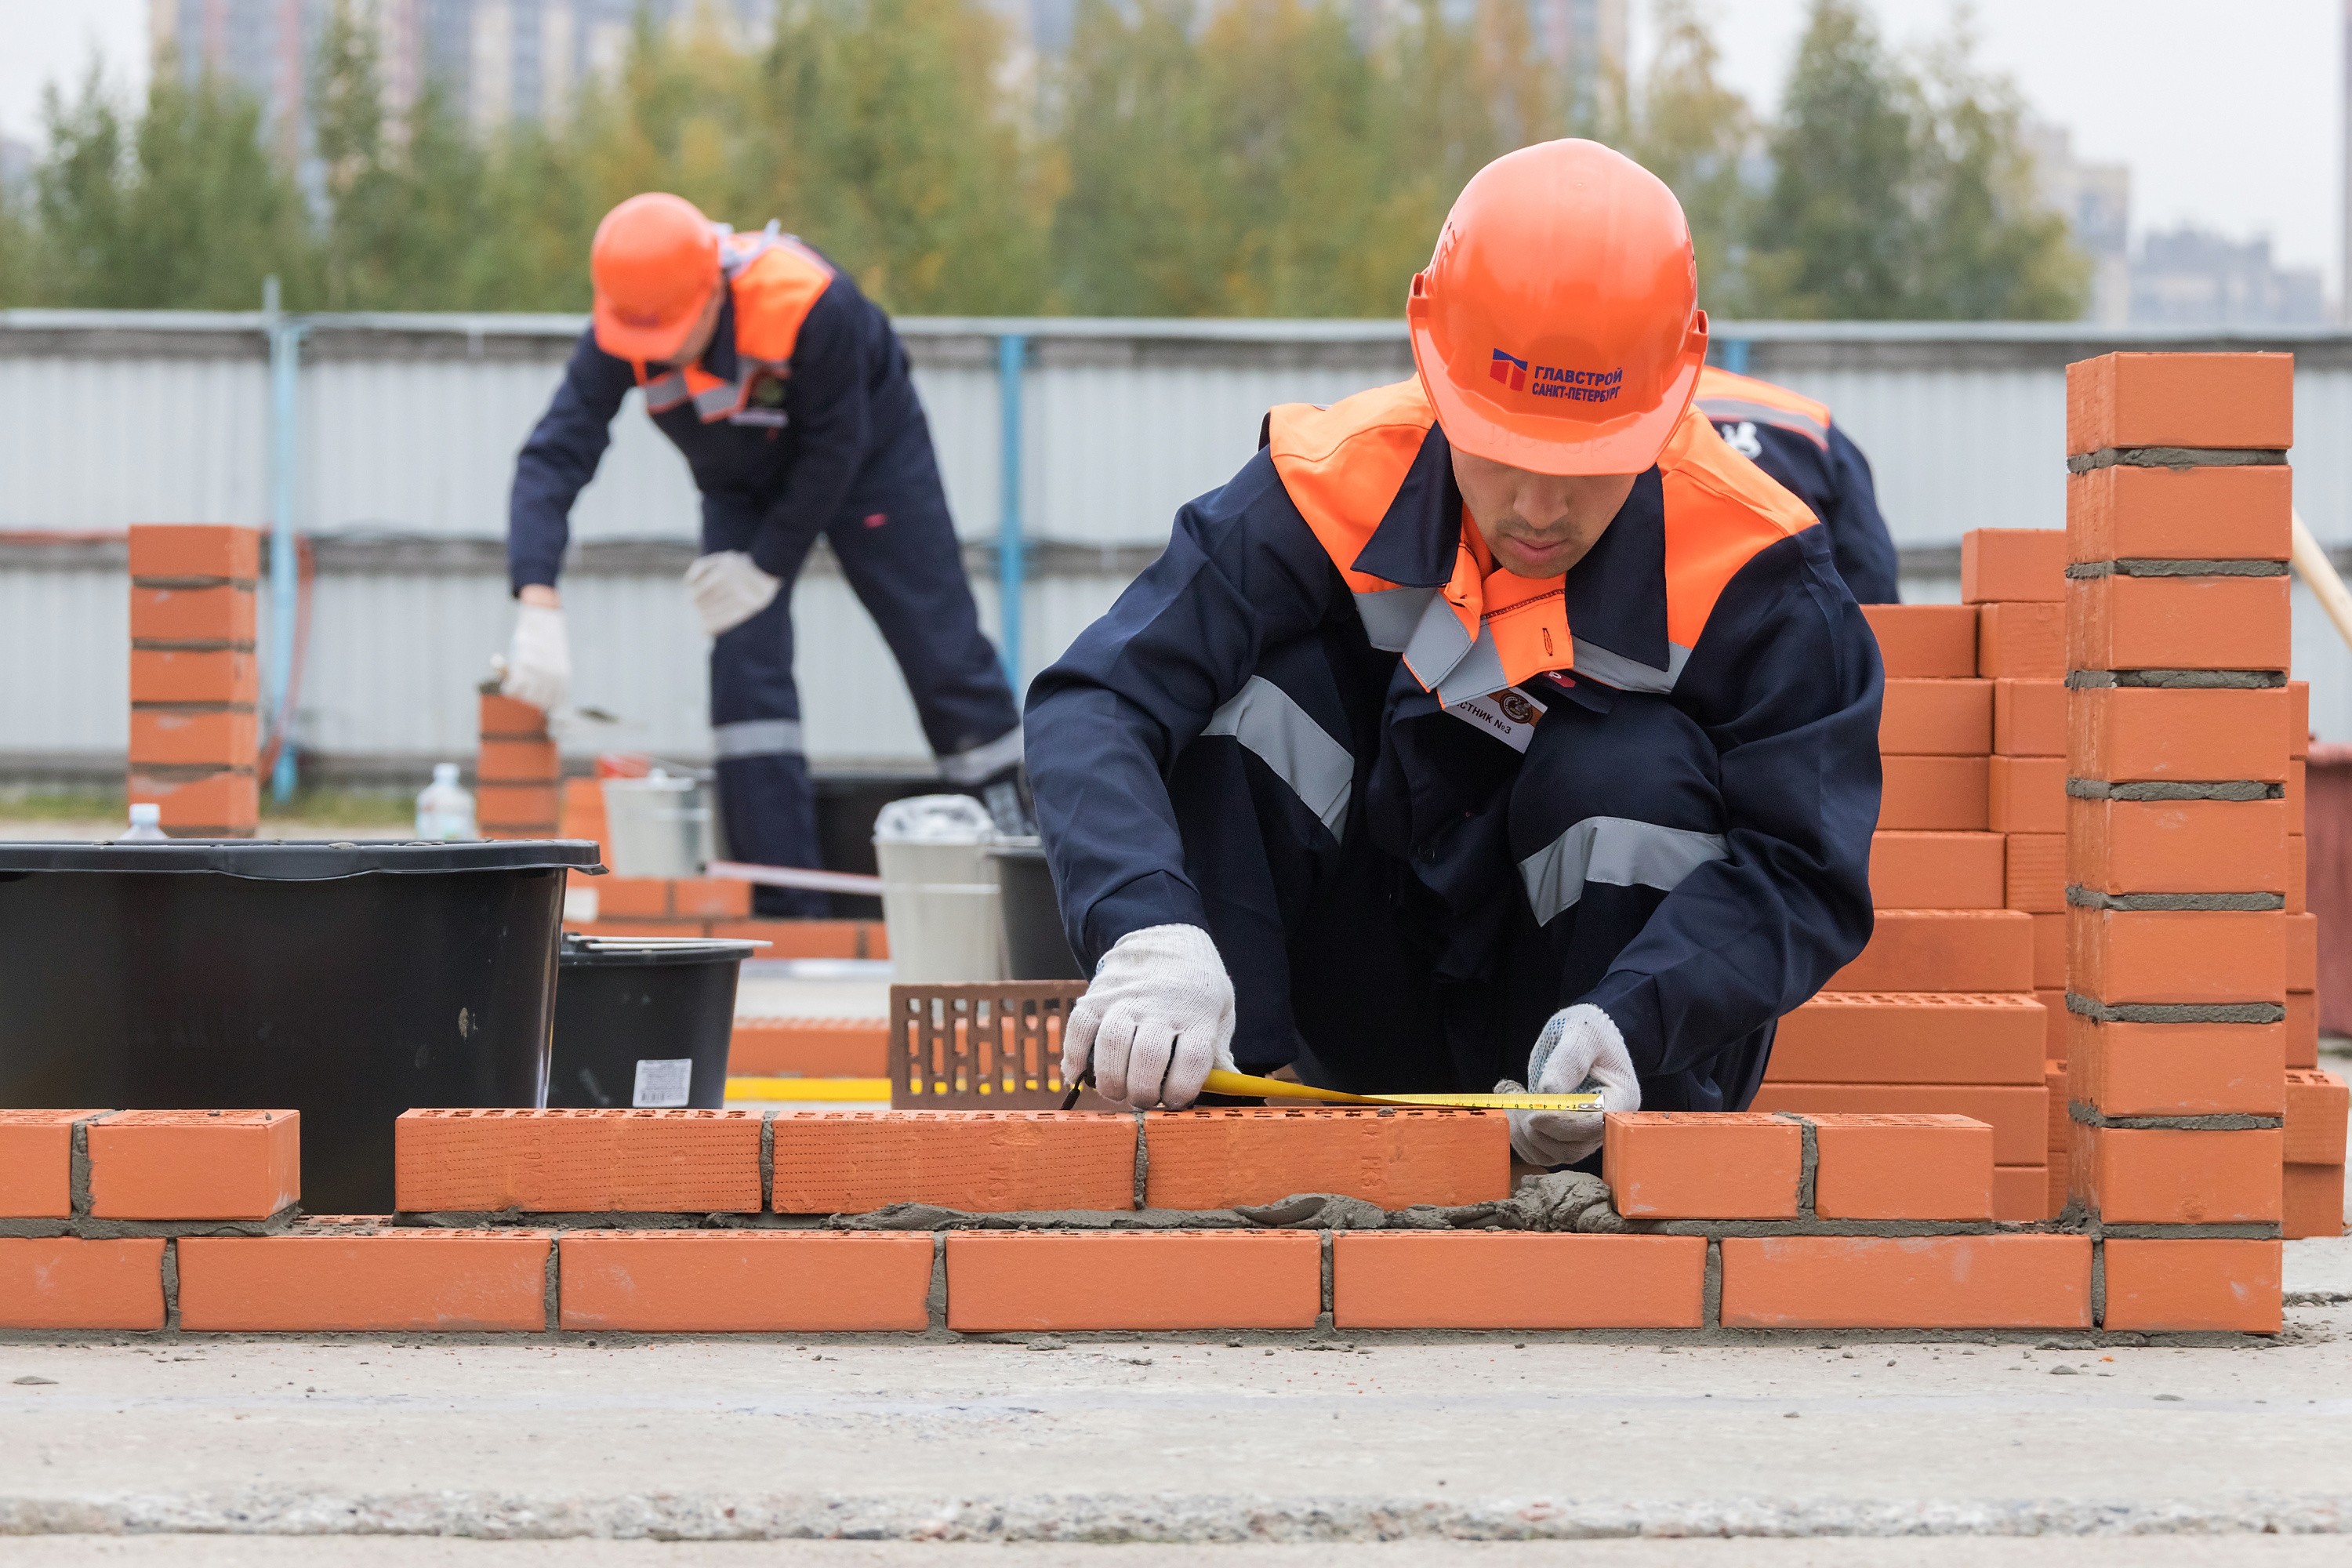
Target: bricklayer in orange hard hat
[[655, 262], [1557, 327]]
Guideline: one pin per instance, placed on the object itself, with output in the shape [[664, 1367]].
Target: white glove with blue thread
[[1157, 1016], [1580, 1051], [729, 590]]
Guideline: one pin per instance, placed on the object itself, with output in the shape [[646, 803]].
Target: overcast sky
[[2228, 114]]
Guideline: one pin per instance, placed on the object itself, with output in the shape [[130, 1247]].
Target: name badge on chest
[[1509, 715]]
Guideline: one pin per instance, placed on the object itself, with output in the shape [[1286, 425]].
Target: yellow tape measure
[[1238, 1083]]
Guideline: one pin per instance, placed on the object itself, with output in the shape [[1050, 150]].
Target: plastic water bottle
[[146, 824], [446, 809]]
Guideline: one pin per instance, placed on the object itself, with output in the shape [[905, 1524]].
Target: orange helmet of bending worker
[[1556, 328], [654, 263]]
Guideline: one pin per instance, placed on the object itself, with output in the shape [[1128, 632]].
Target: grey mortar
[[767, 1160], [1809, 1159], [553, 1298], [1327, 1307], [935, 1298], [599, 1219], [1710, 1290], [2154, 789], [78, 1169], [1143, 1162], [2215, 679], [2089, 1115], [87, 1229], [2176, 1012], [2143, 567], [2098, 1282], [171, 1286], [2081, 897], [2175, 457]]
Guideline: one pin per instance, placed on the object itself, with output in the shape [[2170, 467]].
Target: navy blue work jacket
[[1836, 484]]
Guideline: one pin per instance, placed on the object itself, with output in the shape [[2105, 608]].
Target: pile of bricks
[[194, 681], [1944, 1012], [2180, 961], [684, 1221]]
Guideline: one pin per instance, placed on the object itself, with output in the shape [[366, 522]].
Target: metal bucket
[[658, 825], [940, 896]]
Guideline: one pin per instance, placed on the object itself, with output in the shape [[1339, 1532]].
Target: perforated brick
[[1227, 1156], [552, 1162], [983, 1162]]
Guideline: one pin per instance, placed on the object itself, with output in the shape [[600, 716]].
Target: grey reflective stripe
[[1617, 850], [757, 738], [712, 402], [1437, 643], [1629, 674], [1302, 753], [976, 763], [1804, 425], [666, 391], [1391, 614], [1478, 671]]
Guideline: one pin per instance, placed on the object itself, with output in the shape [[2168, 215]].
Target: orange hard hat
[[655, 262], [1557, 327]]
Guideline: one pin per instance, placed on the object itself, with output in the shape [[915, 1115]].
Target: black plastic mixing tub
[[644, 1024], [348, 981]]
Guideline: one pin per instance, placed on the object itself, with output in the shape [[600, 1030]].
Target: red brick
[[2023, 1192], [2049, 951], [226, 802], [2018, 1114], [1879, 1037], [191, 615], [2035, 873], [2312, 1201], [1008, 1283], [2126, 733], [2054, 1201], [63, 1282], [515, 805], [1502, 1279], [2302, 1029], [2021, 642], [2301, 952], [507, 718], [2178, 1286], [2177, 845], [431, 1281], [2177, 1070], [194, 1164], [1681, 1164], [2061, 1136], [1936, 717], [745, 1281], [2298, 720], [810, 1048], [165, 736], [2053, 1020], [2125, 513], [1936, 870], [552, 1162], [37, 1162], [631, 898], [2180, 400], [2298, 873], [711, 899], [1226, 1157], [2029, 717], [2315, 1107], [518, 762], [1902, 1167], [810, 939], [1911, 1282], [2171, 1176], [2176, 955], [2003, 564], [1933, 795], [583, 813], [2294, 809], [2027, 794], [2177, 623], [1924, 642], [1944, 949], [183, 675], [195, 550], [983, 1162]]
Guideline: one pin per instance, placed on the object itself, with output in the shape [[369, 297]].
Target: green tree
[[1693, 132]]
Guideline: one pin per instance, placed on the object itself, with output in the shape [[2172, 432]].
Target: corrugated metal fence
[[407, 428]]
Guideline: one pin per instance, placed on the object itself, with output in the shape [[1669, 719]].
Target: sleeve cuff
[[1159, 899], [1630, 1000]]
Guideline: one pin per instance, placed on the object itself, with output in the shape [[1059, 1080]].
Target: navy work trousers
[[1434, 970], [897, 548]]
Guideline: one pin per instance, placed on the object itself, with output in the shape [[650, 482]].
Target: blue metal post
[[1734, 357], [1012, 358], [285, 367]]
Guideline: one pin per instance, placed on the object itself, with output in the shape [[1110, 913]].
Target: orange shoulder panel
[[772, 297], [1721, 511], [1342, 466], [1717, 383]]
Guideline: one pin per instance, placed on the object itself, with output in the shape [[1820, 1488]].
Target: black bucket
[[348, 981], [1034, 947], [644, 1024]]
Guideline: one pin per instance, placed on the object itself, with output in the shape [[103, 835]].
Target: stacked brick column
[[195, 682], [518, 773], [2316, 1101], [1937, 1015], [2177, 526]]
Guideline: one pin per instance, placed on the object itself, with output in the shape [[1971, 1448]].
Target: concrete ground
[[1812, 1452]]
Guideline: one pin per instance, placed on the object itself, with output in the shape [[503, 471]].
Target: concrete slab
[[1184, 1439]]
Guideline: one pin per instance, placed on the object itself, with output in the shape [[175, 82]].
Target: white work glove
[[1159, 1015], [539, 659], [1578, 1051], [727, 590]]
